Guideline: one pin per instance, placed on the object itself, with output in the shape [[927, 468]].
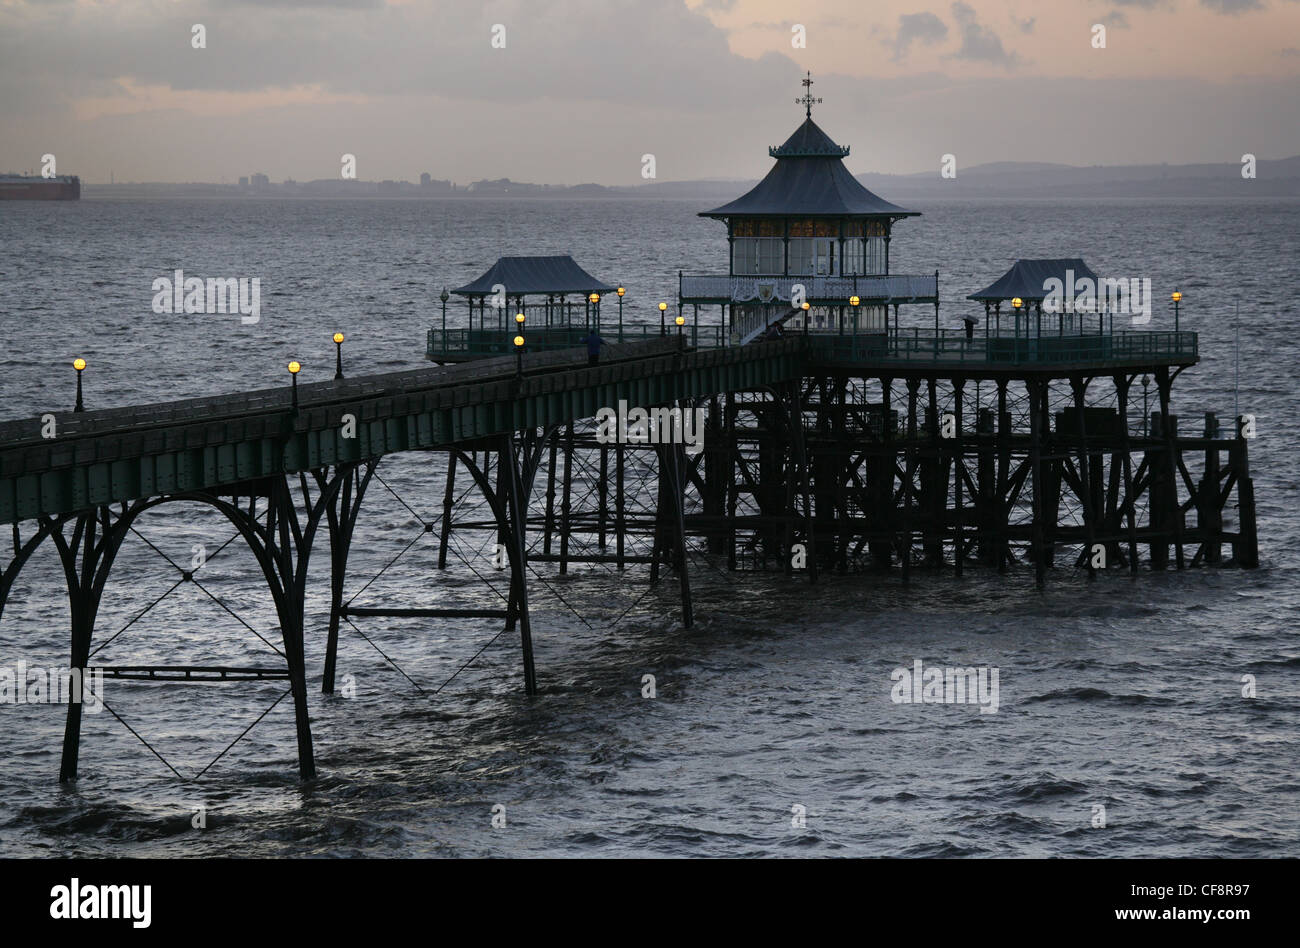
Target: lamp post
[[519, 354], [1016, 305], [519, 322], [854, 303], [594, 300], [1177, 297], [443, 296], [80, 365], [294, 368], [338, 355], [620, 292], [806, 310], [680, 321], [663, 328]]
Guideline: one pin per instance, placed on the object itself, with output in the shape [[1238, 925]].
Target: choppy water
[[1121, 693]]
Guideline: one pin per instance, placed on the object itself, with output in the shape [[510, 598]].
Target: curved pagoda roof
[[809, 180], [1027, 278], [527, 276]]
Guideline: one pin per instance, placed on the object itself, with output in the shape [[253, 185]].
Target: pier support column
[[448, 502], [909, 479], [882, 480], [842, 461], [958, 468], [1127, 511], [934, 483], [1087, 497], [1209, 517], [284, 555], [87, 557], [731, 484], [341, 517], [1172, 511], [1038, 552], [717, 474], [986, 504], [515, 509], [566, 508], [602, 494], [1003, 515], [549, 516], [802, 474], [620, 507], [1054, 468], [507, 500], [1246, 548], [670, 525]]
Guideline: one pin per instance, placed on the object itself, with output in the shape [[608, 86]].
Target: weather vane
[[807, 99]]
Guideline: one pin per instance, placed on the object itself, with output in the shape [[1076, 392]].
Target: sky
[[575, 91]]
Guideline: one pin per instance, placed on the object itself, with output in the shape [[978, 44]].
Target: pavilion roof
[[1027, 279], [527, 276], [809, 180]]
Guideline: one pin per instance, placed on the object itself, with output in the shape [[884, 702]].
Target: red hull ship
[[16, 187]]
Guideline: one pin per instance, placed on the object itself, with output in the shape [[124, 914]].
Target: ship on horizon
[[22, 187]]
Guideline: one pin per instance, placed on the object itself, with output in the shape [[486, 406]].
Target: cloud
[[1026, 26], [654, 53], [978, 42], [583, 90], [918, 27], [1117, 20]]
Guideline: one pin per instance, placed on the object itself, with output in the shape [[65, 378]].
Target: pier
[[836, 439]]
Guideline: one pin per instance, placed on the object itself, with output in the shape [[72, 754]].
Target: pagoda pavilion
[[809, 232]]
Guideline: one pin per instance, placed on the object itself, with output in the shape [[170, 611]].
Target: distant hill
[[1044, 180], [1279, 178]]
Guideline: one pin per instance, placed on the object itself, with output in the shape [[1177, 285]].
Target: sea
[[1136, 717]]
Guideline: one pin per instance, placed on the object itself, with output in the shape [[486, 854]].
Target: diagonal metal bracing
[[88, 556]]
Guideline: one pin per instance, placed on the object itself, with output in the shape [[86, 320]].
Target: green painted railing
[[953, 347], [907, 345], [459, 344]]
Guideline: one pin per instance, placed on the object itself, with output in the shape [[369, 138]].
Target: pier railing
[[952, 346], [452, 345], [837, 290], [908, 345]]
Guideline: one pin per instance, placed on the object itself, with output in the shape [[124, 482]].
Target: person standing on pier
[[594, 342], [970, 322]]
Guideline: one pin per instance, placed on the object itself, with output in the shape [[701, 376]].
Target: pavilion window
[[801, 255], [757, 255], [743, 253], [854, 260], [824, 257], [812, 256], [875, 257]]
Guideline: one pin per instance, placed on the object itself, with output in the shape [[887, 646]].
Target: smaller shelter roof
[[1027, 279], [528, 276]]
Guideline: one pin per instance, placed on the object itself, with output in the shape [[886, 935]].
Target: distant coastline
[[1029, 180]]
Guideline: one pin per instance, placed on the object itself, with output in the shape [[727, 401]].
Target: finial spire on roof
[[807, 99]]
